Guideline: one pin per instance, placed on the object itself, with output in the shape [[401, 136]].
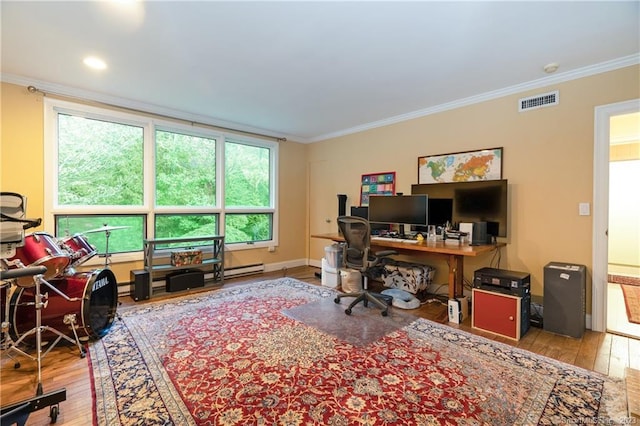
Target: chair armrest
[[384, 253]]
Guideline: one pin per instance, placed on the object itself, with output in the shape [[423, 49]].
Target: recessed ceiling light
[[94, 63], [551, 68]]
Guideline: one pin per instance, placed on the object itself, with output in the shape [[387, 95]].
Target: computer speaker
[[479, 235]]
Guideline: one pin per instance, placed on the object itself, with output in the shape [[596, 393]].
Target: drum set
[[43, 299], [81, 305]]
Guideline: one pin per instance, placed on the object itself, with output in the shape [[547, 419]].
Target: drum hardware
[[40, 302], [41, 263], [105, 228], [107, 233], [7, 342], [70, 320], [19, 412]]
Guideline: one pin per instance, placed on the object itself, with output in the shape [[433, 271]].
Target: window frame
[[150, 123]]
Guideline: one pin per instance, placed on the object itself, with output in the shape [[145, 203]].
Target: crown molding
[[117, 102], [511, 90], [181, 115]]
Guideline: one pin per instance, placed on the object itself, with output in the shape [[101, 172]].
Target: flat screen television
[[399, 209], [479, 201], [440, 211]]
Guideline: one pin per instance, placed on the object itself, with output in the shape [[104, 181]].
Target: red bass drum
[[95, 310]]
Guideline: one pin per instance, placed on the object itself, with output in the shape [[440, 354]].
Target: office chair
[[357, 255]]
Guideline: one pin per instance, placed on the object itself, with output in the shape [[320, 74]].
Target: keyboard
[[393, 239]]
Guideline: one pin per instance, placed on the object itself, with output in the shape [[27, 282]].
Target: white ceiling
[[310, 70]]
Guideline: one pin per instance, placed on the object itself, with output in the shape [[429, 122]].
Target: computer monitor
[[478, 201], [399, 209], [363, 212]]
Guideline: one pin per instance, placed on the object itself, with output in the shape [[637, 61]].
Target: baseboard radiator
[[240, 271]]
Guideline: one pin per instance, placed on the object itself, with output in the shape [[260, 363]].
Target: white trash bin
[[333, 255], [330, 276]]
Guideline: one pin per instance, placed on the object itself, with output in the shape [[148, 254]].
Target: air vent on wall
[[539, 101]]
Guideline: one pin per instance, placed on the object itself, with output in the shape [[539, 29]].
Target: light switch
[[584, 209]]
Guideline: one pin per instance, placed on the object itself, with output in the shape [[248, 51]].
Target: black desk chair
[[357, 255]]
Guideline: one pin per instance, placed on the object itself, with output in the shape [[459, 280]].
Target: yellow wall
[[548, 160], [22, 171]]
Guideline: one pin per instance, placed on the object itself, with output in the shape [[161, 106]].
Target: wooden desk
[[454, 254]]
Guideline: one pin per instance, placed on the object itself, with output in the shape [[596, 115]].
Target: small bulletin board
[[377, 184]]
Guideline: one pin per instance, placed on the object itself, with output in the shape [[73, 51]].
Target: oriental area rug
[[281, 352]]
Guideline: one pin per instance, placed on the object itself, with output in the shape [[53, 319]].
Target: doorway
[[616, 236]]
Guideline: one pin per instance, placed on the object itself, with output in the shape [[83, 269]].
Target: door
[[605, 122]]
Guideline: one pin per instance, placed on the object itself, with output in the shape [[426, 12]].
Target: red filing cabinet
[[499, 313]]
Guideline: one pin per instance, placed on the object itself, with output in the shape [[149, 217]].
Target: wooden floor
[[63, 368]]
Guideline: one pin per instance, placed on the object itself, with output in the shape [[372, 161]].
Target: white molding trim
[[61, 90], [76, 94], [511, 90], [283, 266], [600, 253]]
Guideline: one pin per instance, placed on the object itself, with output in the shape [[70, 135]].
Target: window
[[248, 187], [99, 162], [125, 238], [185, 170], [155, 179], [186, 225]]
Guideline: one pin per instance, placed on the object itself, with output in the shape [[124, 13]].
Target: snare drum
[[78, 248], [94, 312], [39, 249]]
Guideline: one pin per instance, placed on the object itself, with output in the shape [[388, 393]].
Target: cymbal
[[105, 228]]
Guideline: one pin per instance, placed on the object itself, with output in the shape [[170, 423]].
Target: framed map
[[377, 184], [484, 164]]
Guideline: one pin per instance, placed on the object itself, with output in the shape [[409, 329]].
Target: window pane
[[246, 172], [99, 162], [186, 225], [127, 239], [185, 170], [248, 227]]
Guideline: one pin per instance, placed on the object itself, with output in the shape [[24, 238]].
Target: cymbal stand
[[39, 303], [107, 256]]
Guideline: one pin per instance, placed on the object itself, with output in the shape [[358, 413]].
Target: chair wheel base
[[337, 300], [347, 311]]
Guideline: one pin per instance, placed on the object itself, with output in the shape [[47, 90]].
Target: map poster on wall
[[377, 184], [485, 164]]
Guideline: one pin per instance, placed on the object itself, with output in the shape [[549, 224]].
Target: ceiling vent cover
[[539, 101]]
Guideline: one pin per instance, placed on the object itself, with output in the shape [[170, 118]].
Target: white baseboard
[[272, 267]]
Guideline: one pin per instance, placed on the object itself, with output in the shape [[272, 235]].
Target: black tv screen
[[440, 211], [399, 209], [479, 201]]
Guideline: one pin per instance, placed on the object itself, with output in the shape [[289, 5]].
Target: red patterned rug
[[632, 302], [255, 355]]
